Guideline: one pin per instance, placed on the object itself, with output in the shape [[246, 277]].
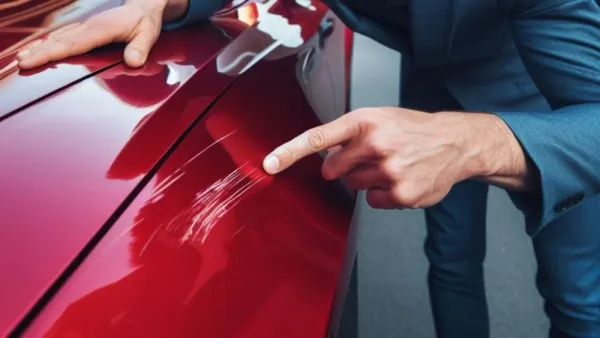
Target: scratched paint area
[[196, 221], [212, 246], [206, 247], [211, 205], [74, 157]]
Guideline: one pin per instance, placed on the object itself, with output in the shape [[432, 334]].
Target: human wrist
[[175, 9], [169, 10], [489, 147]]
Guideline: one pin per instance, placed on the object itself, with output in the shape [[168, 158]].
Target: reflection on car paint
[[63, 156], [195, 221], [306, 4], [277, 26], [265, 265], [264, 259], [24, 21], [213, 204], [267, 30], [23, 25]]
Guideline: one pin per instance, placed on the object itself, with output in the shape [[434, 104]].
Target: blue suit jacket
[[534, 63]]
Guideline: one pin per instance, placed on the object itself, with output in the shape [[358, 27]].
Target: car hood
[[76, 140], [80, 138]]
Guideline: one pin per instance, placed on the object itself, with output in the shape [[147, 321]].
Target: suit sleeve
[[559, 42], [198, 10]]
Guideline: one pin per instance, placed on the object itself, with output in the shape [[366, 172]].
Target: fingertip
[[135, 58], [24, 54], [21, 65], [271, 165], [26, 64], [327, 173]]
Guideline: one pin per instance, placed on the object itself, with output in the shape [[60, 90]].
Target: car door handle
[[325, 30]]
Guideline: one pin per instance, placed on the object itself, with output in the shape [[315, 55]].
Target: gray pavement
[[392, 294]]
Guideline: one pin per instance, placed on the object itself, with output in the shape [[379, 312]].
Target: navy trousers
[[567, 250], [568, 276]]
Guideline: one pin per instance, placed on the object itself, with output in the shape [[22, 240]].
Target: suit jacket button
[[568, 202]]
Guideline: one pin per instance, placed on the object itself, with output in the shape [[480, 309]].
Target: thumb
[[137, 50]]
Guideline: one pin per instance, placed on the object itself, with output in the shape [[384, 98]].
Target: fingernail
[[271, 164], [136, 56], [23, 54]]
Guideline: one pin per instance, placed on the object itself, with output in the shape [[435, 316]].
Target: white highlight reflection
[[256, 43]]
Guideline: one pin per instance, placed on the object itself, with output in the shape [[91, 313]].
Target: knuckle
[[347, 120], [332, 168], [365, 116], [388, 169], [148, 24], [151, 22], [350, 124], [327, 170], [405, 195], [372, 200], [41, 51], [35, 49], [360, 119], [316, 139], [59, 40], [139, 44], [375, 145], [59, 46], [357, 114], [286, 156]]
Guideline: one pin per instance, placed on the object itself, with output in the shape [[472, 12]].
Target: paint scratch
[[177, 174], [194, 224]]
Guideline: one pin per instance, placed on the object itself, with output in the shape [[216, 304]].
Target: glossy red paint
[[26, 23], [214, 247], [57, 158], [264, 253]]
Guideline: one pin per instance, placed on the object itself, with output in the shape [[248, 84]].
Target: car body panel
[[23, 25], [213, 246], [79, 161], [57, 162]]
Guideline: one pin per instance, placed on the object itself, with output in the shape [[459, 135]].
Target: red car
[[133, 202]]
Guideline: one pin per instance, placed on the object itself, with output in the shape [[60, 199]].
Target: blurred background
[[392, 290]]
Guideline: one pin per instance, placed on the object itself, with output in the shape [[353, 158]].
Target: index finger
[[310, 142]]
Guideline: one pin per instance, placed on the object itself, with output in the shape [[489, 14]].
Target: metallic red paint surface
[[268, 265], [213, 247], [58, 178], [25, 23]]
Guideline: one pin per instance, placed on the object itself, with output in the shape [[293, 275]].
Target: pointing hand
[[404, 158]]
